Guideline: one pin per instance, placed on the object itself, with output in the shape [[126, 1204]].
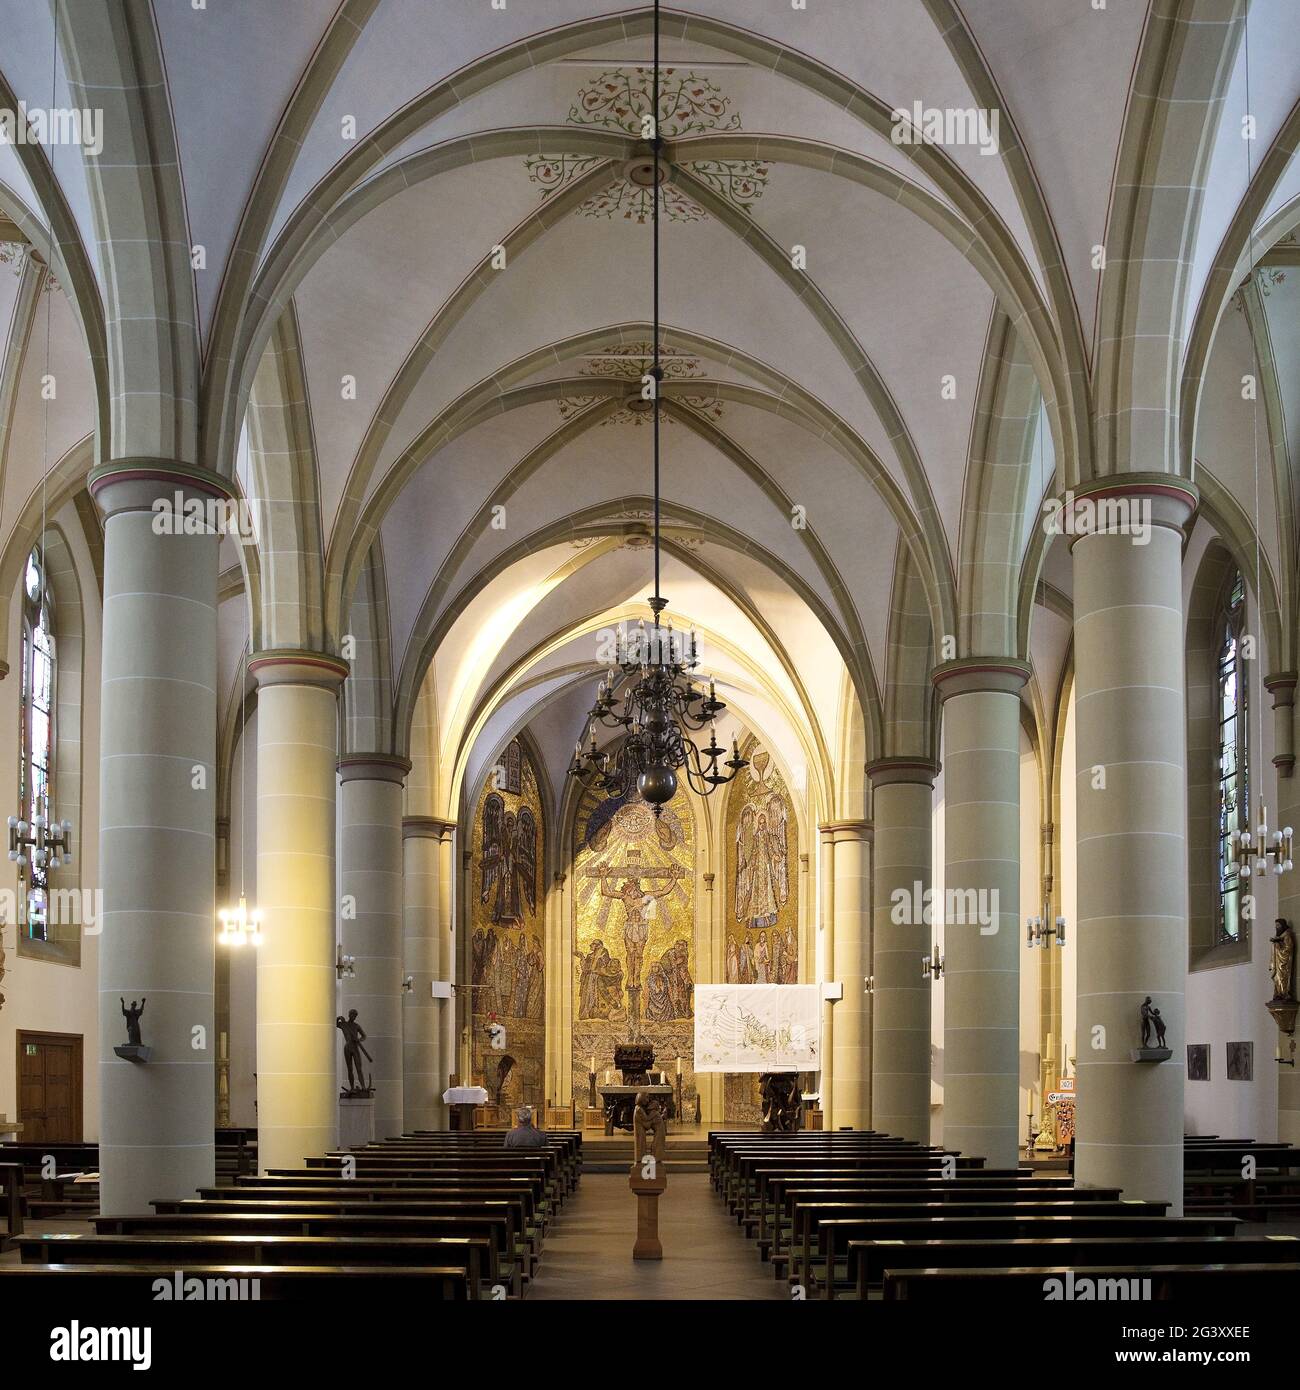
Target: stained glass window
[[1234, 766], [37, 714]]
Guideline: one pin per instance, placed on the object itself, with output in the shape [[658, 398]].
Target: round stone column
[[370, 876], [297, 1042], [1131, 797], [427, 1023], [850, 1044], [902, 798], [981, 908], [157, 854]]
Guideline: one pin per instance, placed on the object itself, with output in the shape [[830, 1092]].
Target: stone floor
[[588, 1252]]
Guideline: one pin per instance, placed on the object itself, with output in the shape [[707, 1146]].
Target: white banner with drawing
[[742, 1028]]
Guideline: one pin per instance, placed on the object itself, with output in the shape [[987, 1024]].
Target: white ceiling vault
[[419, 298]]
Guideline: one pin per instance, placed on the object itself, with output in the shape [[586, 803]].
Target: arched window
[[36, 766], [1234, 761]]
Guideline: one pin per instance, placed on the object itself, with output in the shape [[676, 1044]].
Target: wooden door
[[49, 1087]]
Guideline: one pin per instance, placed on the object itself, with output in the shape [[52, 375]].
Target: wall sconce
[[871, 985], [408, 984], [240, 925], [344, 966], [932, 965]]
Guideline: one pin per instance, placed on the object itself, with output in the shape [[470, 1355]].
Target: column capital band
[[135, 484], [973, 674], [291, 666], [848, 830], [885, 772], [1102, 506], [373, 767], [426, 827]]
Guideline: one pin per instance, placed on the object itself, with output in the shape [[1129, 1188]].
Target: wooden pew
[[1191, 1282], [520, 1243], [833, 1235], [11, 1183], [946, 1192], [276, 1283], [502, 1267], [869, 1259], [473, 1254]]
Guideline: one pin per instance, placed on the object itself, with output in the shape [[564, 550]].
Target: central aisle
[[589, 1249]]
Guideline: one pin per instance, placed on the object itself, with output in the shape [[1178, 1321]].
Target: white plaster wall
[[41, 996]]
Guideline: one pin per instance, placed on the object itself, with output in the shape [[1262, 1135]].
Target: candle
[[679, 1066], [592, 1067], [606, 1076]]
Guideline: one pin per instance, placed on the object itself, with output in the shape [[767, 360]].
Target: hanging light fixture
[[241, 925], [650, 691], [1255, 851]]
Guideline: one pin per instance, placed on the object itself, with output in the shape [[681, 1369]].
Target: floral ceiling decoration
[[689, 104], [14, 254], [629, 362]]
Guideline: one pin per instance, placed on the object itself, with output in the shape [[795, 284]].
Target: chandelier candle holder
[[1044, 931], [652, 695], [1258, 850], [50, 842], [240, 925]]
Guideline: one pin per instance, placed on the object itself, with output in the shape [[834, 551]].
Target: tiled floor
[[588, 1252]]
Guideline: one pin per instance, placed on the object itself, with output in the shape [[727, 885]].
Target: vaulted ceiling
[[423, 300]]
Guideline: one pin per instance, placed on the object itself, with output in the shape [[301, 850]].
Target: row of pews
[[62, 1179], [439, 1215], [858, 1214]]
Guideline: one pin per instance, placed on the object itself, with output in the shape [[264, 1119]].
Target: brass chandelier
[[650, 690]]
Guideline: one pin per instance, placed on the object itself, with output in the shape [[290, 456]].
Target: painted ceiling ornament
[[620, 100], [627, 362]]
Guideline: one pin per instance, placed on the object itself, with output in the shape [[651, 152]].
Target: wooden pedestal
[[648, 1192]]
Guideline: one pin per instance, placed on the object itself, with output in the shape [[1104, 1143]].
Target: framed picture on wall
[[1241, 1061], [1198, 1061]]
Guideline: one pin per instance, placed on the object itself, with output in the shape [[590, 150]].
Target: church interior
[[649, 651]]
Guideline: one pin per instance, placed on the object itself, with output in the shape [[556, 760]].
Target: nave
[[583, 580]]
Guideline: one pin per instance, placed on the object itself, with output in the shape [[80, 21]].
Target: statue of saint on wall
[[132, 1016], [354, 1037], [1281, 966], [1151, 1019]]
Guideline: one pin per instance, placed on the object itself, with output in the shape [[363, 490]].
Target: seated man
[[525, 1135]]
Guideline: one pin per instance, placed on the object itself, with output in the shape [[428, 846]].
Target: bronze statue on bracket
[[354, 1037]]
